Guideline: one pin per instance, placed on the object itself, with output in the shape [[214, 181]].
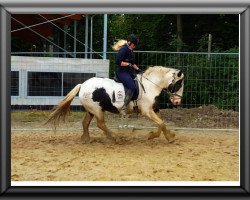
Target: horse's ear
[[179, 73]]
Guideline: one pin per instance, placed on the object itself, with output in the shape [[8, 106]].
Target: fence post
[[86, 35], [209, 45], [105, 36]]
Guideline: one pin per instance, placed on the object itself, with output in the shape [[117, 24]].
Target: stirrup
[[124, 111]]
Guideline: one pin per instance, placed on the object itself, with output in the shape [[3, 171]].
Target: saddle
[[136, 93]]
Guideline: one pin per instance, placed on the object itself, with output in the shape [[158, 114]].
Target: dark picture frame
[[9, 7]]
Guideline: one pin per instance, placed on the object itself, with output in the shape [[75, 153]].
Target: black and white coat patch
[[100, 95], [106, 94]]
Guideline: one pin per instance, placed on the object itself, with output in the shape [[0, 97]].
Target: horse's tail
[[118, 45], [63, 108]]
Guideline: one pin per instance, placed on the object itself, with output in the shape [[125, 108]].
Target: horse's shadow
[[132, 139], [122, 137]]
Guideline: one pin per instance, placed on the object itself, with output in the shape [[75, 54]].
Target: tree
[[179, 33], [159, 32]]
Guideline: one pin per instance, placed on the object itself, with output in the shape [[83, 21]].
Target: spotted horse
[[98, 95]]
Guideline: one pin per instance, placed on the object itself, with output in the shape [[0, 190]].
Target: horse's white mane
[[158, 69], [118, 45]]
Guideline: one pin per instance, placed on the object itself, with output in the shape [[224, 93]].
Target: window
[[70, 80], [14, 83], [50, 83], [44, 84]]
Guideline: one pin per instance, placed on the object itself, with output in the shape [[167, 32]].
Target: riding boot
[[128, 97]]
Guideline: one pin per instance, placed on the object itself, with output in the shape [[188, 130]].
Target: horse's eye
[[179, 73]]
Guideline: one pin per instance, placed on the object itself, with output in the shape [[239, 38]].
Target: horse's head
[[175, 86], [168, 79]]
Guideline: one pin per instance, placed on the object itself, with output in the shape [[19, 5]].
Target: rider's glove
[[130, 65], [139, 71]]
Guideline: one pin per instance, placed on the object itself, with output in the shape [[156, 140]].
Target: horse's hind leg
[[85, 123], [101, 124]]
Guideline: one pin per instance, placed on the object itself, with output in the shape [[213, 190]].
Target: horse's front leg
[[161, 127], [153, 134], [156, 134]]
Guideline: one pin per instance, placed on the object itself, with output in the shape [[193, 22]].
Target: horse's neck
[[153, 84]]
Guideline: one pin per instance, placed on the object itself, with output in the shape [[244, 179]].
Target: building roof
[[39, 24]]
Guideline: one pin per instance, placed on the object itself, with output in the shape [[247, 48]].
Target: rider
[[126, 69]]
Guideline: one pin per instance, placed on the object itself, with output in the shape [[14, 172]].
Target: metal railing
[[210, 78]]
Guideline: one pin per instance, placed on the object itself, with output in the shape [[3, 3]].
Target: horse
[[98, 95]]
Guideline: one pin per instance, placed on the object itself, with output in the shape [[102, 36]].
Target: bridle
[[171, 92]]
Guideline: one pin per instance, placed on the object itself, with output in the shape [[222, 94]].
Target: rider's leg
[[128, 97], [129, 84]]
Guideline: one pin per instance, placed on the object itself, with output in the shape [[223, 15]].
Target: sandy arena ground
[[39, 154]]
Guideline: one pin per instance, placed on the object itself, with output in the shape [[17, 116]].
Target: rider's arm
[[120, 57], [127, 64]]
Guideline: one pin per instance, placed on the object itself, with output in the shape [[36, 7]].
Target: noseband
[[174, 87], [171, 93]]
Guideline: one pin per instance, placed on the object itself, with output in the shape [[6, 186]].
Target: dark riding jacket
[[125, 74], [125, 55]]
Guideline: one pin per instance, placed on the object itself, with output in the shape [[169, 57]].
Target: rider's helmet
[[133, 38]]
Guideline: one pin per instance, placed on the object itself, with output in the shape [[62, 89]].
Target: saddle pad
[[118, 92]]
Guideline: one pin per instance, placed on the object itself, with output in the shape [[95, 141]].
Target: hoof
[[170, 137], [85, 140], [153, 135], [112, 139]]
